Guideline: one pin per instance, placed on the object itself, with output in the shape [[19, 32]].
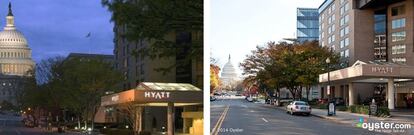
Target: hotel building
[[375, 41]]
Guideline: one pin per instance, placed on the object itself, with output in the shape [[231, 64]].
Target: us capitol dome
[[228, 75], [15, 59]]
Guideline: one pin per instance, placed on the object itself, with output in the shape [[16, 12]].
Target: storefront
[[369, 79], [170, 98]]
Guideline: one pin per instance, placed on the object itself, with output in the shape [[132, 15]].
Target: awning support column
[[170, 118], [138, 119], [391, 91], [351, 93]]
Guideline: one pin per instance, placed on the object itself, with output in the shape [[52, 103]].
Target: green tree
[[73, 84], [285, 65]]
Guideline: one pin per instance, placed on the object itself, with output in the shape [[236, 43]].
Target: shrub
[[383, 111], [341, 108], [361, 109]]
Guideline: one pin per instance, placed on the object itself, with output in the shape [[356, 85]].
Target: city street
[[242, 117], [11, 125]]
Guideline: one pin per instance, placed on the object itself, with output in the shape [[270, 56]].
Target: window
[[344, 20], [331, 39], [344, 8], [398, 49], [330, 20], [398, 23], [398, 36], [399, 10], [331, 29], [344, 31], [399, 60], [346, 55], [346, 41]]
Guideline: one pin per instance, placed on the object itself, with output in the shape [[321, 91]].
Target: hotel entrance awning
[[157, 94], [373, 72]]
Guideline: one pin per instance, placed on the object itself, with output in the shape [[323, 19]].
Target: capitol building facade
[[15, 60], [228, 74]]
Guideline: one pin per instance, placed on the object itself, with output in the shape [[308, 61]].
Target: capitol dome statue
[[15, 59], [228, 75]]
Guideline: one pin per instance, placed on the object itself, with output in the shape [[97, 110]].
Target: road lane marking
[[217, 127], [17, 131], [264, 120]]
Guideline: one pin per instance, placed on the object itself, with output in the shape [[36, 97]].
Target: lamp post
[[331, 103], [328, 88]]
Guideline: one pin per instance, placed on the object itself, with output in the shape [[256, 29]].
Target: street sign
[[331, 109], [373, 108]]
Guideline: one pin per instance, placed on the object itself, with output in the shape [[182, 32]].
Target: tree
[[155, 21], [73, 84], [292, 66], [214, 77], [85, 81]]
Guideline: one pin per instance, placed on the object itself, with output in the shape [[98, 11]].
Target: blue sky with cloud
[[58, 27], [238, 26]]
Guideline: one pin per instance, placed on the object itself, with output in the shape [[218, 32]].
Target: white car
[[296, 107]]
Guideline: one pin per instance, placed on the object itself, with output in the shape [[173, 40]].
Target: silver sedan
[[296, 107]]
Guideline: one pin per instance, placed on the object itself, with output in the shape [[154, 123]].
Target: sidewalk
[[353, 118]]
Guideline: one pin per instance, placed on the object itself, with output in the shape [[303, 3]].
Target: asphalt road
[[10, 125], [246, 118]]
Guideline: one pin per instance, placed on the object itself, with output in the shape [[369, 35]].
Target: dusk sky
[[59, 27], [238, 26]]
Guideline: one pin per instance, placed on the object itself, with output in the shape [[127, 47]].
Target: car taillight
[[297, 107]]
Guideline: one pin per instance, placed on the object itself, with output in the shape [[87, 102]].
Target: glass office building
[[307, 24]]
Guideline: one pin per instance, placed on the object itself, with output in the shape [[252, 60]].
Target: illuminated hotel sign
[[157, 95], [383, 70]]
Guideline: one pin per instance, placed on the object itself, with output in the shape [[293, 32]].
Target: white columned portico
[[351, 93], [391, 91]]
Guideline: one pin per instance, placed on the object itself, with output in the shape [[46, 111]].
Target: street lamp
[[331, 104], [328, 88]]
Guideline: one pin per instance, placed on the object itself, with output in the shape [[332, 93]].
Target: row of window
[[344, 20], [331, 39], [398, 49], [344, 31], [344, 8], [345, 53], [400, 60], [398, 36], [399, 10], [344, 42], [398, 23], [15, 40], [13, 55], [14, 68]]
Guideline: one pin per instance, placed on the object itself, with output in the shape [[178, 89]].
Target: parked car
[[212, 98], [297, 107], [249, 98]]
